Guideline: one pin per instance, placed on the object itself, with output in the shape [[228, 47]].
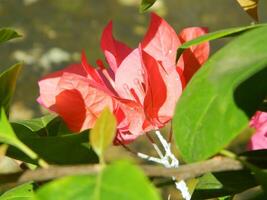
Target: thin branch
[[184, 172]]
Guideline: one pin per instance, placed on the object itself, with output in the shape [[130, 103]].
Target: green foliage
[[214, 36], [223, 184], [8, 136], [103, 132], [207, 110], [118, 181], [146, 4], [8, 80], [22, 192], [7, 34], [51, 140], [48, 125]]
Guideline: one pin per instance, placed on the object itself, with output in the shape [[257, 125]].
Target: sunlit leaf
[[8, 136], [22, 192], [207, 110], [146, 4], [250, 7], [119, 181], [7, 34], [8, 80], [103, 133]]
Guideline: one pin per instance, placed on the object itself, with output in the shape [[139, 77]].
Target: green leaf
[[8, 80], [119, 181], [223, 184], [214, 36], [146, 4], [22, 192], [103, 133], [37, 123], [7, 34], [64, 149], [44, 135], [207, 117], [48, 125], [7, 136]]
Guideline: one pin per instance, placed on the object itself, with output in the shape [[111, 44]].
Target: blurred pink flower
[[141, 85], [259, 138]]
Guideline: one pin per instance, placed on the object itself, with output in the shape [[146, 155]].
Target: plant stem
[[228, 154]]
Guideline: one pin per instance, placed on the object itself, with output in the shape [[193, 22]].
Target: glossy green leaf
[[22, 192], [103, 132], [50, 139], [8, 136], [146, 4], [48, 125], [119, 181], [207, 117], [7, 34], [8, 80], [214, 36], [37, 123]]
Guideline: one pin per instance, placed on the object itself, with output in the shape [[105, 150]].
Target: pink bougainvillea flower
[[259, 138], [67, 93], [141, 85]]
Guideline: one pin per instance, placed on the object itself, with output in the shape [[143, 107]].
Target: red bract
[[68, 93], [259, 138], [141, 85]]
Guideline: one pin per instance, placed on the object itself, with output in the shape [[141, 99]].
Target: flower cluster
[[141, 85]]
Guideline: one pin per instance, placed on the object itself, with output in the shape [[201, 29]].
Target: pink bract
[[259, 138], [141, 85]]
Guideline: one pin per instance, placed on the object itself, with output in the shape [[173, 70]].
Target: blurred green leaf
[[250, 7], [146, 4], [22, 192], [7, 34], [119, 181], [8, 80], [207, 110], [223, 184], [214, 36], [103, 132], [226, 198]]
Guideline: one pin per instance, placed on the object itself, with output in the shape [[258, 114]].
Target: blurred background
[[56, 31]]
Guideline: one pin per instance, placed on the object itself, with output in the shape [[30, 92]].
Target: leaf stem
[[229, 154]]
